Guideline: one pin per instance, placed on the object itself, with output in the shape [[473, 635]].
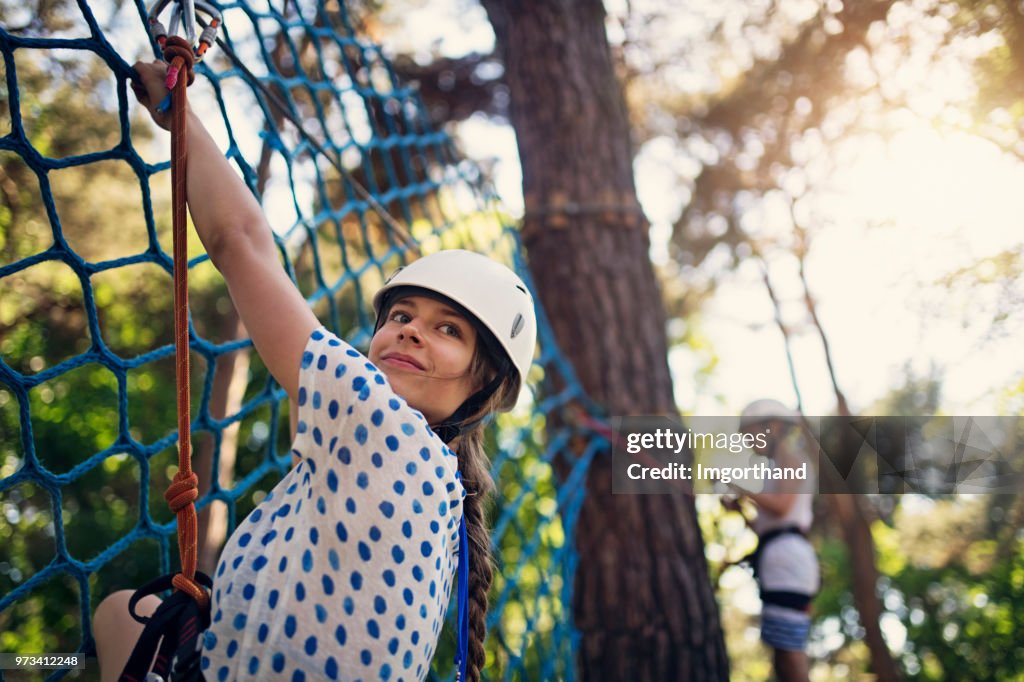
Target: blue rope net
[[355, 181]]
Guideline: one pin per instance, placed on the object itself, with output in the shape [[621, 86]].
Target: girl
[[344, 571], [784, 562]]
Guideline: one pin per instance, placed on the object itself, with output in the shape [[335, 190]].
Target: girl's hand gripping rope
[[151, 88]]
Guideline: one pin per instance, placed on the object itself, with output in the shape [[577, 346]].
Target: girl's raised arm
[[232, 227]]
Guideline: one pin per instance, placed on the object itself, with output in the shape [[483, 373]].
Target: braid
[[476, 479], [478, 484]]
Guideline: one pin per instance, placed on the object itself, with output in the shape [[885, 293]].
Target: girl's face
[[426, 350]]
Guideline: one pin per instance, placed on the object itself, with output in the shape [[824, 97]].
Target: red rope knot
[[182, 492], [191, 588], [178, 53]]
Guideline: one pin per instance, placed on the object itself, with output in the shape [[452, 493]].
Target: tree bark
[[643, 601]]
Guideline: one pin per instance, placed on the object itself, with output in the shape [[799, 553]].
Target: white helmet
[[495, 295], [766, 409]]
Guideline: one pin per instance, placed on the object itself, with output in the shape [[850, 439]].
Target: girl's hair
[[474, 466]]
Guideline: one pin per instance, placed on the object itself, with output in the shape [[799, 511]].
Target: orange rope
[[183, 492]]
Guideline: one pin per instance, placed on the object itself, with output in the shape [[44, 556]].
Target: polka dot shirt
[[344, 571]]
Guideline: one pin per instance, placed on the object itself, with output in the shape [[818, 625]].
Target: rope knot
[[178, 53], [182, 492], [191, 588]]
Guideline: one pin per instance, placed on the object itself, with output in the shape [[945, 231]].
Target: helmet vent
[[517, 325]]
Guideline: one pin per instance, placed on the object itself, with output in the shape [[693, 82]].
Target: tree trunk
[[643, 601]]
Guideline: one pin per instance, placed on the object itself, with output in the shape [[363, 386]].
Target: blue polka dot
[[328, 585], [307, 360], [314, 535], [399, 487], [377, 418], [331, 668], [321, 613], [210, 640], [397, 554], [385, 672], [362, 480], [332, 409], [254, 665], [300, 591], [321, 506], [408, 429], [232, 649], [356, 580], [400, 622], [406, 529], [332, 559], [373, 629], [425, 454], [289, 626], [256, 515], [407, 659], [332, 481], [394, 404], [277, 662], [318, 437], [349, 606], [439, 471], [272, 599], [317, 399], [442, 508], [415, 638], [392, 443], [301, 427], [339, 371], [222, 673], [321, 362], [379, 380], [393, 646], [307, 561], [298, 676], [259, 563], [261, 635], [389, 577], [204, 663], [317, 335], [366, 657], [288, 534], [428, 489], [361, 434], [341, 531], [435, 527], [248, 591], [358, 383], [344, 455], [374, 533], [243, 539], [310, 646], [268, 538], [364, 551], [352, 353], [350, 506], [407, 596], [339, 635], [377, 460], [239, 621], [410, 468], [379, 604], [423, 610], [417, 507], [433, 589]]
